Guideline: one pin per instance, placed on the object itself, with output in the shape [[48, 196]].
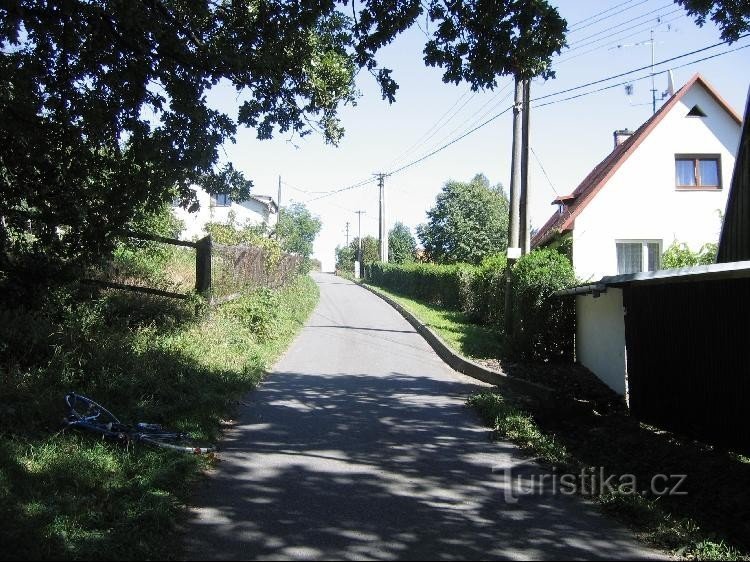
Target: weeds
[[657, 524], [71, 496]]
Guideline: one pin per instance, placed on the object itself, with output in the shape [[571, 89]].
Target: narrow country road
[[358, 445]]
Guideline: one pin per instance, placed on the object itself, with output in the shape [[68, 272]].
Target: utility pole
[[524, 219], [357, 273], [382, 230], [653, 85], [347, 234], [278, 205], [514, 223]]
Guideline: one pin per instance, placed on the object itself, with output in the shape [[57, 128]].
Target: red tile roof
[[600, 175]]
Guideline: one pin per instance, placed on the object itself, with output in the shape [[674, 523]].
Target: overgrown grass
[[454, 327], [70, 496], [661, 521]]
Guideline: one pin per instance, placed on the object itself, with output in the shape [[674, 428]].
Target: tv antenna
[[629, 88]]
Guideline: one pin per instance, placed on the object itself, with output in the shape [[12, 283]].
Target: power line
[[646, 77], [471, 119], [582, 42], [303, 190], [577, 96], [577, 27], [432, 131], [454, 141], [552, 102], [641, 68], [541, 166], [341, 189], [643, 28], [584, 20]]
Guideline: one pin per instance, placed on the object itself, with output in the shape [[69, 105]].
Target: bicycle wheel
[[176, 442]]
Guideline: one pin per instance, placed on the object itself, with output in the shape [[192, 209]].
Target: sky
[[568, 137]]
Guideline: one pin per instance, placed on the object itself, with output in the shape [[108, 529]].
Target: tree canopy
[[346, 255], [732, 16], [468, 222], [104, 108], [297, 229], [402, 245]]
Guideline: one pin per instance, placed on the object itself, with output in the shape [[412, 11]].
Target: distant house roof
[[602, 172], [267, 201]]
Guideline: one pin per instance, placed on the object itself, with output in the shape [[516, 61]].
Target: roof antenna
[[670, 85]]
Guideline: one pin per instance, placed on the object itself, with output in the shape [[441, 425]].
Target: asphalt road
[[358, 445]]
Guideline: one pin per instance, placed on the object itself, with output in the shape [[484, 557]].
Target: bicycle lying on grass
[[85, 414]]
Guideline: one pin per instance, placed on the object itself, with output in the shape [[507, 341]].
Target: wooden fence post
[[203, 267]]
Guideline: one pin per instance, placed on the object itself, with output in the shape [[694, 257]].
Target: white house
[[258, 209], [667, 181]]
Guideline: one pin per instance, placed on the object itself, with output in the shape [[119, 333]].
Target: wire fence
[[236, 269], [175, 268]]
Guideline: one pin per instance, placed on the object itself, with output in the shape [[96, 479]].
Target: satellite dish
[[670, 82]]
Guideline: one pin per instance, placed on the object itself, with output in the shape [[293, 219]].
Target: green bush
[[680, 255], [488, 290], [442, 285], [543, 325]]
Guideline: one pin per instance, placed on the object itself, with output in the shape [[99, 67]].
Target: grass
[[65, 495], [669, 523], [469, 339], [711, 523]]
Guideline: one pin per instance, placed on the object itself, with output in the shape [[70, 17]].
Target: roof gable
[[602, 172]]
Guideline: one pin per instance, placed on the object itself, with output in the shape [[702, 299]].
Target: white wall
[[640, 200], [600, 337], [248, 212]]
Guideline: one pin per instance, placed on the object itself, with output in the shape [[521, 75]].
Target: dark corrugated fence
[[688, 358]]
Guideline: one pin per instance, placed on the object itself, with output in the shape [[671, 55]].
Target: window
[[638, 255], [697, 172], [221, 200]]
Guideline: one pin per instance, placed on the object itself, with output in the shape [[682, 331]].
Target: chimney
[[621, 136]]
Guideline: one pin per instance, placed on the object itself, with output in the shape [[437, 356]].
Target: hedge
[[440, 285], [542, 324]]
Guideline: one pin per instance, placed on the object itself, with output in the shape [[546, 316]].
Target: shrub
[[488, 290], [442, 285], [543, 325], [680, 255]]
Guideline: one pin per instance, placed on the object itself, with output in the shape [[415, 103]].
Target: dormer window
[[697, 171]]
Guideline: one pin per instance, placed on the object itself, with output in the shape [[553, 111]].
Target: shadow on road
[[382, 467]]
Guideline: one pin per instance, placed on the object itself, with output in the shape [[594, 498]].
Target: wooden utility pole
[[524, 219], [382, 230], [514, 222], [514, 219], [359, 243], [278, 206]]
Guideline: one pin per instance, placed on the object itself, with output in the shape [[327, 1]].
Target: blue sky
[[568, 137]]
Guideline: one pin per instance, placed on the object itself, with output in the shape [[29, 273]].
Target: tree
[[401, 244], [103, 104], [479, 41], [732, 16], [297, 229], [345, 256], [468, 222]]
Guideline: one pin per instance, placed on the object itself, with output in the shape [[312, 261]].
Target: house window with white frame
[[221, 200], [702, 171], [634, 256]]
